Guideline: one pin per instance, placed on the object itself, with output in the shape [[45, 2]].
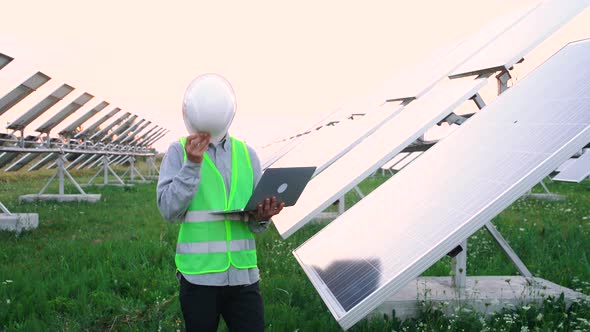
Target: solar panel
[[72, 128], [21, 162], [337, 140], [143, 136], [452, 190], [124, 134], [120, 129], [426, 74], [6, 157], [46, 159], [565, 165], [100, 134], [4, 60], [131, 137], [374, 151], [511, 47], [270, 154], [40, 108], [156, 138], [20, 92], [64, 113], [577, 170], [90, 130]]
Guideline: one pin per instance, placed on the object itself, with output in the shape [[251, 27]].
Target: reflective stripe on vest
[[219, 246], [207, 242], [204, 216]]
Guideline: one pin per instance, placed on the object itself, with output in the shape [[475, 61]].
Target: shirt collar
[[224, 143]]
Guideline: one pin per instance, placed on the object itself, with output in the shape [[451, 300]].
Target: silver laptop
[[285, 183]]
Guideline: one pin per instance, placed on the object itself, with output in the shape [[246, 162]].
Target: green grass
[[109, 266]]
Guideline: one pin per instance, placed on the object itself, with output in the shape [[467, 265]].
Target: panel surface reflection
[[453, 189]]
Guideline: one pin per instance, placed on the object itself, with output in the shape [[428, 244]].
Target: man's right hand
[[196, 145]]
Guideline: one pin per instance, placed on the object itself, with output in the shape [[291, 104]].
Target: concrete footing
[[140, 181], [110, 184], [485, 294], [546, 197], [323, 216], [18, 222], [60, 198]]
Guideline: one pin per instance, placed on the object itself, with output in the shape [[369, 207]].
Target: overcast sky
[[289, 62]]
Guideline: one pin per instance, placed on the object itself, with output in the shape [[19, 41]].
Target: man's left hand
[[267, 209]]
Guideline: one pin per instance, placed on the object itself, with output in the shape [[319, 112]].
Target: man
[[215, 254]]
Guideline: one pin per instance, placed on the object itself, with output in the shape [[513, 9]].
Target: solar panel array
[[124, 137], [374, 151], [452, 190]]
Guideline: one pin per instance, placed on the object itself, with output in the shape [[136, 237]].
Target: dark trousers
[[240, 306]]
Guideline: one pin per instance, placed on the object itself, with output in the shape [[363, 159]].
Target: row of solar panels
[[394, 234], [127, 135]]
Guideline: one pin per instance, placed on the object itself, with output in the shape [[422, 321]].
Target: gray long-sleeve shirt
[[178, 183]]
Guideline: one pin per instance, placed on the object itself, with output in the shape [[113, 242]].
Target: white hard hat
[[209, 106]]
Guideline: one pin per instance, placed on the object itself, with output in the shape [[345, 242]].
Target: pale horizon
[[288, 63]]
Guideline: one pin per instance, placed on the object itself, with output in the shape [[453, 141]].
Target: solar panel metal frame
[[4, 60], [337, 171], [22, 91], [577, 170], [406, 161], [64, 113], [393, 161], [507, 111], [72, 128], [542, 15]]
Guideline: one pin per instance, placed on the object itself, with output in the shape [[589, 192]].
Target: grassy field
[[109, 266]]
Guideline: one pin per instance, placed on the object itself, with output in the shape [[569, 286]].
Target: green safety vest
[[213, 244]]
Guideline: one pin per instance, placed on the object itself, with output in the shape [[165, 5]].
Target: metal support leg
[[4, 209], [341, 205], [459, 267], [359, 192], [105, 171], [545, 187], [152, 169], [133, 170], [61, 173], [503, 79], [509, 251], [478, 101]]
